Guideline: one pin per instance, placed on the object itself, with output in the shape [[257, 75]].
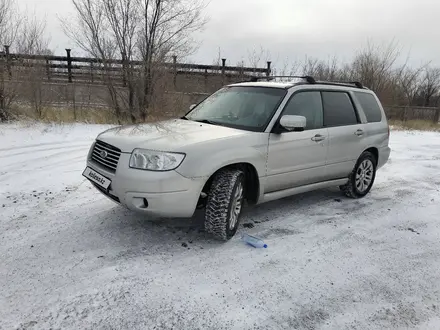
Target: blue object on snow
[[254, 241]]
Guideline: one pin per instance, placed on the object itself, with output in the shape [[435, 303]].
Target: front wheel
[[362, 177], [225, 203]]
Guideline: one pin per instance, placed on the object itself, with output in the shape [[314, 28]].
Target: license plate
[[96, 177]]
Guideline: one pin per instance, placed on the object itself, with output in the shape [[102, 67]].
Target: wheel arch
[[375, 153], [252, 181]]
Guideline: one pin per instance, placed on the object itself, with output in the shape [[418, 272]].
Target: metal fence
[[406, 113], [94, 70]]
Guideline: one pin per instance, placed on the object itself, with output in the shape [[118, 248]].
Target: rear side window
[[338, 109], [369, 105]]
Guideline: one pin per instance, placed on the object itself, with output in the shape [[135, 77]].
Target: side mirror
[[293, 123], [192, 106]]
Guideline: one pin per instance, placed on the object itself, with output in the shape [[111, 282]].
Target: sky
[[289, 30]]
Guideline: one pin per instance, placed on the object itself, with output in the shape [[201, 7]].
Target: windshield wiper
[[207, 121], [204, 121]]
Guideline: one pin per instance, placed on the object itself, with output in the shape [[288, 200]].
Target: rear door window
[[370, 106], [338, 109]]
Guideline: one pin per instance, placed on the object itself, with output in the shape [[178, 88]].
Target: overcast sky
[[292, 29]]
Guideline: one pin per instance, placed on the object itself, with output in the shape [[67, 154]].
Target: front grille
[[106, 155]]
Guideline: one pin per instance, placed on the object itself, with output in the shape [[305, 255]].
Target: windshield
[[249, 108]]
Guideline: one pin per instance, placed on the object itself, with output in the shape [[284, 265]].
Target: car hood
[[169, 135]]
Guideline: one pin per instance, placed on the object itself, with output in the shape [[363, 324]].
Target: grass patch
[[419, 125], [92, 116], [65, 115], [82, 115]]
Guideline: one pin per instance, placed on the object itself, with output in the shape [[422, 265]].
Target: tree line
[[380, 68]]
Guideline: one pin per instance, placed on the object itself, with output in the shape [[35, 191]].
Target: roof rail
[[357, 84], [312, 81], [308, 79]]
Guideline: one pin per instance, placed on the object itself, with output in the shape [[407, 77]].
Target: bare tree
[[9, 21], [409, 80], [27, 35], [90, 29], [321, 70], [258, 58], [375, 64], [8, 29], [217, 61], [32, 37], [287, 68], [147, 30], [167, 28], [123, 19], [92, 32], [430, 86]]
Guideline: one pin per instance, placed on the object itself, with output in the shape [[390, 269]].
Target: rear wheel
[[225, 203], [362, 177]]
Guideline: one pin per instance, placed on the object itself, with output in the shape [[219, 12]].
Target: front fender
[[204, 164]]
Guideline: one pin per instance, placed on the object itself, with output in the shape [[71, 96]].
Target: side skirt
[[302, 189]]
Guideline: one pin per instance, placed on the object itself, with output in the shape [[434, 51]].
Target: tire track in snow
[[9, 155], [72, 161], [29, 163], [31, 146]]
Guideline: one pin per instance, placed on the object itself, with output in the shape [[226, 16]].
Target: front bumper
[[161, 194]]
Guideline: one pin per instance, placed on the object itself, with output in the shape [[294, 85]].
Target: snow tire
[[220, 201]]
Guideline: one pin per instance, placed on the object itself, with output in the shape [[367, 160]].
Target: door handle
[[359, 132], [318, 138]]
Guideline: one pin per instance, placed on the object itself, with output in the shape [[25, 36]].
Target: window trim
[[276, 127], [356, 111]]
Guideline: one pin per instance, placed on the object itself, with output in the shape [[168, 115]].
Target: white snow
[[72, 259]]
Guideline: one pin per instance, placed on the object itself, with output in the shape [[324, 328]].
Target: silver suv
[[250, 142]]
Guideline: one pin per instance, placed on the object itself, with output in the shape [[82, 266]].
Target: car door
[[346, 134], [298, 158]]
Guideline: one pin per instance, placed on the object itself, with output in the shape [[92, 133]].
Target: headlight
[[155, 160]]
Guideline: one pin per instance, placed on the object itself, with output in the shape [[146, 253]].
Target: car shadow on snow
[[307, 204], [132, 230]]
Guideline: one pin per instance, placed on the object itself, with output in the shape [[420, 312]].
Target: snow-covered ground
[[71, 259]]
